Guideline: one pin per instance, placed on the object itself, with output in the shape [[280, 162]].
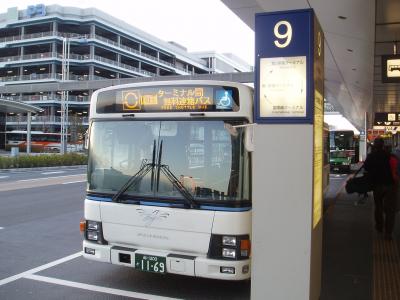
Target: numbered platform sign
[[287, 47]]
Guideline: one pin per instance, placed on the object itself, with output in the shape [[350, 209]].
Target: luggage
[[359, 184]]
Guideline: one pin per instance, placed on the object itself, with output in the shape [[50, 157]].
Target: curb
[[41, 168]]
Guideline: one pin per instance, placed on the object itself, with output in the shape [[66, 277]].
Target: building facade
[[47, 44]]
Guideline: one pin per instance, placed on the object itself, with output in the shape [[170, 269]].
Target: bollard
[[14, 151]]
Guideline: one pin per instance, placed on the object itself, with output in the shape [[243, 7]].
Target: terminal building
[[37, 42]]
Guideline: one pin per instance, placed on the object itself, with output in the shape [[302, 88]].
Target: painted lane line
[[40, 268], [53, 172], [4, 177], [1, 228], [95, 288], [73, 182], [36, 179]]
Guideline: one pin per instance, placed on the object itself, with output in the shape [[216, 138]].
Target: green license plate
[[150, 263]]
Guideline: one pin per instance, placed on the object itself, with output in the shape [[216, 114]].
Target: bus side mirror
[[249, 138], [86, 146]]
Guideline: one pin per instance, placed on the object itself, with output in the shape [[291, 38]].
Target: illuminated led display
[[390, 68], [169, 99]]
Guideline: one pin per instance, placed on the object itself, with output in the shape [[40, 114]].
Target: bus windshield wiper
[[135, 179], [187, 196]]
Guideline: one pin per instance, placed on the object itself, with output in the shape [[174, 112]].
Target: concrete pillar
[[91, 72], [91, 51], [92, 30], [22, 31], [55, 28], [28, 133], [119, 40], [2, 130], [53, 70], [54, 48], [52, 112]]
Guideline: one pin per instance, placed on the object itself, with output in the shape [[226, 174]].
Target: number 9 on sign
[[285, 37]]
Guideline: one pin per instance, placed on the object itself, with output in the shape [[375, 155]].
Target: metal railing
[[84, 36], [46, 119], [50, 98]]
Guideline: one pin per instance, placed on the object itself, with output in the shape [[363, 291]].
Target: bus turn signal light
[[245, 247], [82, 226]]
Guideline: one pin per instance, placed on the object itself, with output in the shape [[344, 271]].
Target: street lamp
[[64, 95]]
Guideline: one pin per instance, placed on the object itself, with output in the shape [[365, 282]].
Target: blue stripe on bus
[[148, 203], [98, 199], [219, 208]]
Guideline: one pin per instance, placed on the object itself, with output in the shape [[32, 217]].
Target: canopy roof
[[8, 106]]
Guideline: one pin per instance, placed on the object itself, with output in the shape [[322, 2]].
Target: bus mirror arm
[[248, 135], [86, 142]]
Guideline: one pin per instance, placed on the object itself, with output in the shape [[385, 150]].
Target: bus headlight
[[228, 240], [92, 225], [94, 232], [229, 253], [230, 247], [93, 235]]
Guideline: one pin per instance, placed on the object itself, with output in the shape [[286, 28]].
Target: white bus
[[169, 187]]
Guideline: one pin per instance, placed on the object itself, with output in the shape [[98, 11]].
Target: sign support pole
[[288, 157]]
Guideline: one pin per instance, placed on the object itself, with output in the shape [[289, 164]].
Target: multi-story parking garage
[[37, 42]]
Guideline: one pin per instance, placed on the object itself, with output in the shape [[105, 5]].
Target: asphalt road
[[40, 246]]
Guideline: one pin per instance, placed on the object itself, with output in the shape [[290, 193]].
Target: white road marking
[[95, 288], [1, 228], [53, 172], [74, 181], [36, 179], [40, 268], [4, 177]]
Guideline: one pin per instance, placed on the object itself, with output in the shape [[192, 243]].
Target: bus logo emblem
[[149, 215]]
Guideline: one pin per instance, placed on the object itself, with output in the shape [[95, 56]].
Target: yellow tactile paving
[[386, 269]]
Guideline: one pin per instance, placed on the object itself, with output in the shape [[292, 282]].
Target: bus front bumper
[[175, 263]]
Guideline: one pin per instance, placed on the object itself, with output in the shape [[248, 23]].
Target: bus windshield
[[208, 158]]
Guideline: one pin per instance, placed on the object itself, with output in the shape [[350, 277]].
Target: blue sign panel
[[284, 67], [38, 10], [223, 99]]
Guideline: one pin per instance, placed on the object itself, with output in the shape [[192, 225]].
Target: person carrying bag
[[359, 184], [379, 166]]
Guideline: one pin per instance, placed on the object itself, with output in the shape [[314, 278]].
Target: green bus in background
[[344, 150]]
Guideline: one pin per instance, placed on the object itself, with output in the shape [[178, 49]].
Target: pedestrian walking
[[378, 165]]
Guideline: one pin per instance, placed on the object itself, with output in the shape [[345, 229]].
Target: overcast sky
[[199, 25]]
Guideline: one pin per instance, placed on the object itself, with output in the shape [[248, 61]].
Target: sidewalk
[[357, 262]]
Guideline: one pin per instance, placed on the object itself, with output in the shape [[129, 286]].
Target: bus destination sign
[[169, 99]]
